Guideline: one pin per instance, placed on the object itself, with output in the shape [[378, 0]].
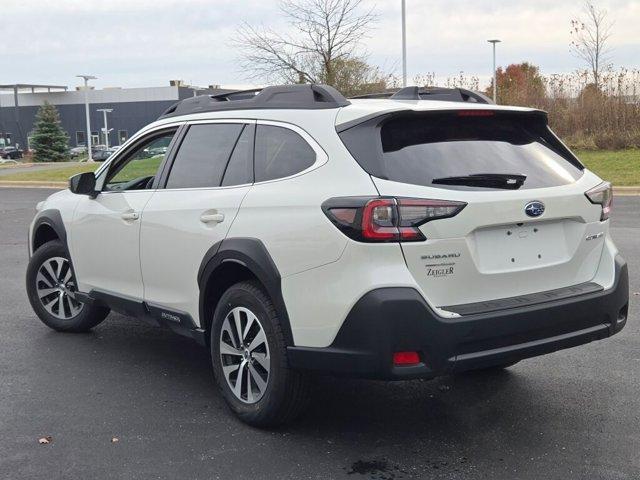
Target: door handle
[[130, 216], [212, 217]]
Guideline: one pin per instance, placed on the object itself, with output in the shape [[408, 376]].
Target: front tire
[[248, 353], [51, 285]]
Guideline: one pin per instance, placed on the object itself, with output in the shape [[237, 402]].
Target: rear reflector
[[406, 358], [387, 219]]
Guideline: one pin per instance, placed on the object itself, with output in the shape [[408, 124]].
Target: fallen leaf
[[115, 440], [45, 440]]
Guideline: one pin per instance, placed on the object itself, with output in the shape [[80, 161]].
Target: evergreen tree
[[49, 140]]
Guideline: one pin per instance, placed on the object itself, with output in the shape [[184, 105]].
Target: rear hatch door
[[527, 226]]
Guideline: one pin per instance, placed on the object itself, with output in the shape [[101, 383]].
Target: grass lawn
[[137, 168], [51, 175], [620, 167]]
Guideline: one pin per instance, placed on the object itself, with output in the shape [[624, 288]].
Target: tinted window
[[280, 152], [203, 155], [419, 148], [240, 167]]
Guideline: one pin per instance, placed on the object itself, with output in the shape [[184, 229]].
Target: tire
[[285, 394], [50, 286]]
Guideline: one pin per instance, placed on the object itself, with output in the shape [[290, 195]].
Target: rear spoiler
[[432, 93], [341, 127]]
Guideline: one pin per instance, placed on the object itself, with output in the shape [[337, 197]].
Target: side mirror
[[83, 184]]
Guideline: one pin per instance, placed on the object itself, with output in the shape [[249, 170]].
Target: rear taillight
[[602, 195], [386, 219]]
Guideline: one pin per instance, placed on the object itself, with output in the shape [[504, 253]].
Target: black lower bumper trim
[[524, 300], [389, 320]]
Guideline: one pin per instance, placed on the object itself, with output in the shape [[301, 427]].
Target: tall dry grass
[[585, 117], [608, 118]]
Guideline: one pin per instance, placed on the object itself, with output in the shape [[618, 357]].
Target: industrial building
[[132, 109]]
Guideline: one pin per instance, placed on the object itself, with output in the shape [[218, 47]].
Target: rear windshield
[[419, 148]]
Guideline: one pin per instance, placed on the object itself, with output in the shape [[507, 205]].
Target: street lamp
[[404, 44], [495, 79], [86, 111], [105, 129]]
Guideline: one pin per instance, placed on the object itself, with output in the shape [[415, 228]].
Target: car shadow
[[380, 428], [336, 404]]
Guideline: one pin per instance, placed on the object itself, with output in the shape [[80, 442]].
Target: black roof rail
[[432, 93], [238, 94], [306, 96], [374, 95]]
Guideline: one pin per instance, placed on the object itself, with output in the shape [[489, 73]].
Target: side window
[[138, 168], [240, 167], [280, 152], [203, 155]]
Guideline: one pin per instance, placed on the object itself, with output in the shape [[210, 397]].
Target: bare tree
[[324, 34], [590, 37]]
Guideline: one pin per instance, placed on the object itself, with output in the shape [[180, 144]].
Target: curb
[[33, 184], [622, 191]]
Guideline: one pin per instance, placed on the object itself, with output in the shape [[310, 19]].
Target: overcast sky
[[136, 43]]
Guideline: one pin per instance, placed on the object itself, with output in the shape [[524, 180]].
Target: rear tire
[[51, 285], [253, 372]]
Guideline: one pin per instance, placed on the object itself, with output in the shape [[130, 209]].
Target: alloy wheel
[[56, 287], [244, 355]]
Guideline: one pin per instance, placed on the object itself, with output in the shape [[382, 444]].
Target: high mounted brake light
[[387, 219], [602, 195], [475, 113]]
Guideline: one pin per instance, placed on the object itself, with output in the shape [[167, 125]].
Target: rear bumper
[[389, 320]]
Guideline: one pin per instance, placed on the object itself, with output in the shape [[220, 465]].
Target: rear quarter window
[[280, 152]]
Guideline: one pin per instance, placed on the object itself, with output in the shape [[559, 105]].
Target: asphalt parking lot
[[571, 414]]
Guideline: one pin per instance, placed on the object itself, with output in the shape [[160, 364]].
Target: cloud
[[148, 42]]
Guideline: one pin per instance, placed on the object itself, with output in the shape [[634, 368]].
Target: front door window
[[138, 169]]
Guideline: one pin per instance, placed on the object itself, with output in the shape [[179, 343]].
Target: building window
[[95, 138], [123, 136], [5, 139], [80, 139]]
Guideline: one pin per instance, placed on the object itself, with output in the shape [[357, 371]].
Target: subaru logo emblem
[[534, 209]]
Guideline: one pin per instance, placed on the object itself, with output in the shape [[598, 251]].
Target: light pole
[[495, 79], [105, 129], [404, 44], [86, 111]]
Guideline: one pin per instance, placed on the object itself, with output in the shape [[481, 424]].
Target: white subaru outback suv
[[291, 231]]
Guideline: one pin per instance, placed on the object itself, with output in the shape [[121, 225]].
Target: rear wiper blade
[[508, 181]]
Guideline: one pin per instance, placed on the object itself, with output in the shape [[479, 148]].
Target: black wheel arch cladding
[[251, 254], [50, 218]]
